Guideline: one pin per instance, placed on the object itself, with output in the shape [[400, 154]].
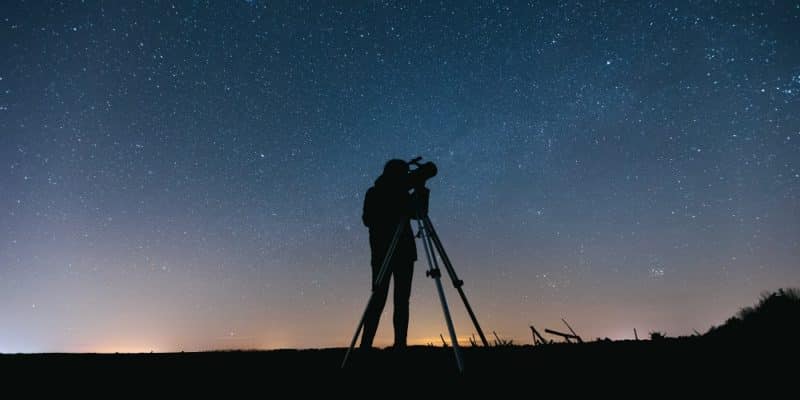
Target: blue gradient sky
[[190, 175]]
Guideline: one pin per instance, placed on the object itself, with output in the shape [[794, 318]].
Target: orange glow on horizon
[[124, 348]]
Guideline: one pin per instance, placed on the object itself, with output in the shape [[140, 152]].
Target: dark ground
[[684, 366]]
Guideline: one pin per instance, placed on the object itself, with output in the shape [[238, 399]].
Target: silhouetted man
[[386, 204]]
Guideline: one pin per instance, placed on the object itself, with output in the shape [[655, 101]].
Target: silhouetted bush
[[776, 316]]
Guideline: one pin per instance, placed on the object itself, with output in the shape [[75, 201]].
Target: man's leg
[[403, 274], [374, 309]]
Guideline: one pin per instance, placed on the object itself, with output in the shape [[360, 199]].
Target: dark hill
[[720, 361], [776, 317]]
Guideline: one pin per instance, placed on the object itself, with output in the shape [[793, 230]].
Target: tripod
[[432, 244]]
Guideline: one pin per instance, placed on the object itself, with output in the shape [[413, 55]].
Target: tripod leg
[[457, 283], [378, 282], [436, 274]]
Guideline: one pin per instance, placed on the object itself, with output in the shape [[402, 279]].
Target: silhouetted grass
[[776, 316], [656, 335]]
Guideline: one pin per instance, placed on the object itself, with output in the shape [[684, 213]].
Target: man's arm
[[368, 215]]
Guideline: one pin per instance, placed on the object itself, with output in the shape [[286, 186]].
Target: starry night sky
[[190, 175]]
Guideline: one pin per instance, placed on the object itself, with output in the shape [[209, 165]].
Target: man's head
[[395, 169]]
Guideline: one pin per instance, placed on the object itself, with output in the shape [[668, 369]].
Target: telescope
[[422, 172], [416, 180]]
